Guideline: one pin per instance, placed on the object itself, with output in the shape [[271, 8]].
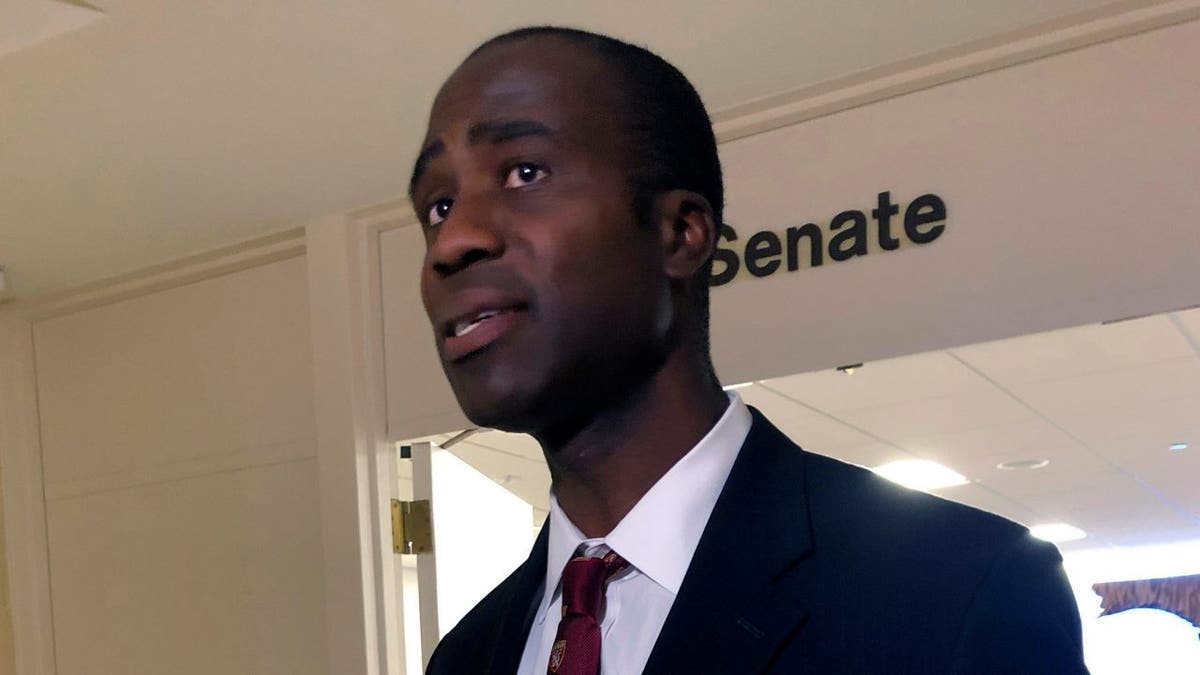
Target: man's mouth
[[465, 326], [468, 334]]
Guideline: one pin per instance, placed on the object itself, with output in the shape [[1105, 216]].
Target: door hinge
[[412, 526]]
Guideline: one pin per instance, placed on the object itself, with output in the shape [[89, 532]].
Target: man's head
[[570, 192]]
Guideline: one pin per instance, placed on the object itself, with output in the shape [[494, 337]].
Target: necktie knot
[[577, 644], [583, 583]]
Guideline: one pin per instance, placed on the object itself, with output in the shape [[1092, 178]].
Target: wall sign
[[848, 236]]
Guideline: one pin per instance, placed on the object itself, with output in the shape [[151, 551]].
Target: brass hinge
[[412, 527]]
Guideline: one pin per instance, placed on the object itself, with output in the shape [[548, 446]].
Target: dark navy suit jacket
[[810, 565]]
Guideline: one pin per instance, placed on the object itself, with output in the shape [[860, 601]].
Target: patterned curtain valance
[[1177, 595]]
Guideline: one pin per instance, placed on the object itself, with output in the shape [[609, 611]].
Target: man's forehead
[[540, 76]]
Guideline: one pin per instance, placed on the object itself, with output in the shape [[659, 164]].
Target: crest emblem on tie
[[556, 655]]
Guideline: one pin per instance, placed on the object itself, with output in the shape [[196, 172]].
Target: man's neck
[[602, 470]]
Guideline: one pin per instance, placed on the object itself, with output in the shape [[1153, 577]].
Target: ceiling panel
[[529, 480], [1138, 430], [522, 445], [526, 477], [1143, 522], [1177, 479], [1137, 534], [812, 430], [1109, 496], [1011, 442], [897, 423], [1071, 468], [988, 500], [869, 454], [1074, 352], [1113, 390], [771, 403], [880, 383]]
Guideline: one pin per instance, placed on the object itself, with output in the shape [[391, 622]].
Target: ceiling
[[28, 23], [1102, 403], [168, 128]]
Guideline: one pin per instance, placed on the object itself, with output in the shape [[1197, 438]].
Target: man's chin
[[509, 412]]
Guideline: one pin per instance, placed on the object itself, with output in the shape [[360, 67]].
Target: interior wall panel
[[182, 498], [202, 575], [198, 373]]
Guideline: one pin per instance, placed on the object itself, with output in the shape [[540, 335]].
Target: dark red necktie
[[576, 648]]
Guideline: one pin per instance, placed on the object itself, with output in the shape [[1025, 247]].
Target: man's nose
[[467, 236]]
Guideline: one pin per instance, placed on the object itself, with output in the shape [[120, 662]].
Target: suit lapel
[[738, 604], [514, 625]]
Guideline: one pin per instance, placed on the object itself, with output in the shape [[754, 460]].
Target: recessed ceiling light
[[920, 474], [1023, 464], [1056, 533], [849, 370], [1179, 446]]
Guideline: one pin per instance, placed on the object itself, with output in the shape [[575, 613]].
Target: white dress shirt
[[657, 537]]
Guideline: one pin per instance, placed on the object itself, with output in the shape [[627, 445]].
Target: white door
[[481, 533]]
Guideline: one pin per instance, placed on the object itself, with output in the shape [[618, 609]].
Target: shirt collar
[[660, 534]]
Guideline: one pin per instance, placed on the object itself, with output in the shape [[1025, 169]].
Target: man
[[570, 193]]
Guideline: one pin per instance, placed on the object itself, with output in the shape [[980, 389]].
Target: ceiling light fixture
[[1023, 464], [849, 370], [740, 385], [1177, 447], [1057, 533], [920, 474]]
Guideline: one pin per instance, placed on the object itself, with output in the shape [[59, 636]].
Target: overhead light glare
[[1178, 447], [1057, 533], [740, 385], [920, 474]]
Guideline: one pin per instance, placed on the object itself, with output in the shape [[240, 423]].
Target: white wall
[[178, 446]]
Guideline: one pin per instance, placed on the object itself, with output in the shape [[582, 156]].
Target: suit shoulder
[[854, 501]]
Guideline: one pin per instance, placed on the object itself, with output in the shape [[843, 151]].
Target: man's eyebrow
[[493, 132], [502, 131], [428, 153]]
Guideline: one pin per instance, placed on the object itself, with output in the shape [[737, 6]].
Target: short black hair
[[668, 123]]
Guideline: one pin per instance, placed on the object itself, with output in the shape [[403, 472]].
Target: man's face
[[547, 298]]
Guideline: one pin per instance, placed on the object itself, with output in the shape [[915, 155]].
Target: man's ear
[[689, 232]]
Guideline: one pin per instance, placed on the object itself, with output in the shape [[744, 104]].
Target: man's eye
[[439, 211], [524, 174]]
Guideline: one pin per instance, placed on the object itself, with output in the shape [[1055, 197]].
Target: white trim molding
[[218, 262], [358, 470], [24, 500]]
